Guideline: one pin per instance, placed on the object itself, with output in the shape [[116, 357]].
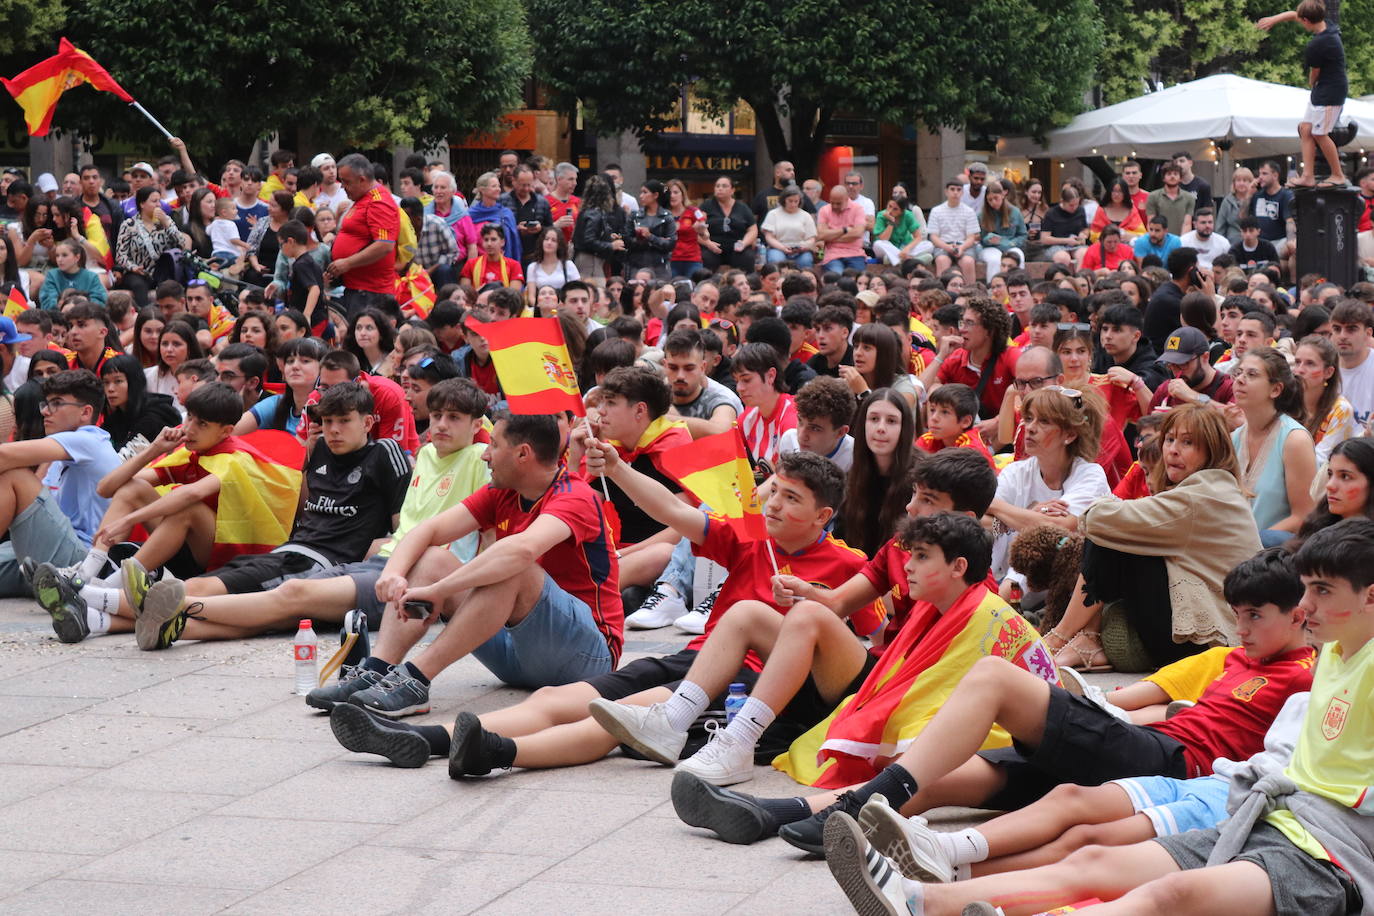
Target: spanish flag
[[95, 234], [260, 483], [15, 304], [415, 291], [715, 469], [916, 674], [532, 364], [38, 88]]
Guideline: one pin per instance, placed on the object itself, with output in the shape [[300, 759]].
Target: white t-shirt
[[163, 384], [535, 276], [1358, 387], [870, 211], [843, 455], [223, 234], [1021, 485], [789, 228], [333, 200], [1215, 245], [952, 224]]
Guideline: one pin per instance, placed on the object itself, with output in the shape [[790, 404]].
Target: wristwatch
[[1204, 399]]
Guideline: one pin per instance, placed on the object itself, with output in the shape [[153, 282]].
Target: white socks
[[686, 703], [98, 621], [964, 846], [91, 566], [915, 897], [99, 598], [754, 716]]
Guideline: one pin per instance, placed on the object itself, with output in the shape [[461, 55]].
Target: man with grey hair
[[448, 204], [563, 203], [973, 191], [365, 248], [812, 190]]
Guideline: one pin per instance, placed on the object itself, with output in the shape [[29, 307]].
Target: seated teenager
[[876, 486], [1157, 563], [1348, 491], [825, 408], [419, 374], [392, 417], [540, 606], [1307, 856], [133, 415], [197, 488], [1265, 591], [300, 358], [52, 519], [350, 495], [88, 337], [552, 728], [244, 368], [447, 471], [951, 412], [632, 414]]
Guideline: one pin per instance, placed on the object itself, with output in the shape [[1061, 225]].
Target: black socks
[[416, 673], [375, 665], [437, 736], [784, 810], [894, 783]]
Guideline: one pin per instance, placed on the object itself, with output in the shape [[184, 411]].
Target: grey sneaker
[[395, 695], [340, 691], [363, 733], [61, 598]]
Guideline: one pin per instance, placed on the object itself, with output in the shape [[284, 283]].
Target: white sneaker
[[725, 760], [1075, 683], [658, 610], [908, 843], [870, 880], [644, 728], [694, 621]]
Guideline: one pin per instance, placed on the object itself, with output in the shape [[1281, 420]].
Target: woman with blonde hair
[[1150, 590], [1235, 205]]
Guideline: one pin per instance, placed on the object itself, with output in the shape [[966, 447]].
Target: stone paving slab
[[192, 781]]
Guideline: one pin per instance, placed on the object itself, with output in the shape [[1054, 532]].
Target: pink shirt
[[852, 215], [466, 234]]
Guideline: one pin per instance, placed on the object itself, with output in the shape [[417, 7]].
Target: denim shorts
[[42, 532], [1178, 805], [557, 643]]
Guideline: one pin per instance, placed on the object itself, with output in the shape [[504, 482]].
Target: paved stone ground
[[193, 781]]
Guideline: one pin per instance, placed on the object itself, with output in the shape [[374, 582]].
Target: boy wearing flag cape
[[552, 728]]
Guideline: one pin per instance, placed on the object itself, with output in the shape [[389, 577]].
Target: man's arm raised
[[650, 495]]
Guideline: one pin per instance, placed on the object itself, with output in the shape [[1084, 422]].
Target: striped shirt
[[763, 434]]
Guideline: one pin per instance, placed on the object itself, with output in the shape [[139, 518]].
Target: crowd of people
[[979, 478]]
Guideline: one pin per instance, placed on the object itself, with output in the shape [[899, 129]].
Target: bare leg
[[966, 264], [543, 709], [1098, 871], [133, 495], [1332, 157], [744, 626], [1124, 832], [193, 527], [644, 566], [319, 599], [398, 635], [1079, 615], [578, 742], [1238, 887], [812, 641], [19, 487], [1064, 807], [1309, 157]]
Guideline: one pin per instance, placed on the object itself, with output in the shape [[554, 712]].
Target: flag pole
[[156, 123], [604, 491]]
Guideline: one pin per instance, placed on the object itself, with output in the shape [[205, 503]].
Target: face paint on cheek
[[793, 515]]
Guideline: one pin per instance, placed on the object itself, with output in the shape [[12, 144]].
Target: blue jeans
[[858, 262], [557, 643], [801, 259], [683, 268], [681, 570]]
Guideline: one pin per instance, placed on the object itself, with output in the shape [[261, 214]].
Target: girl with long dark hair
[[130, 409], [878, 487]]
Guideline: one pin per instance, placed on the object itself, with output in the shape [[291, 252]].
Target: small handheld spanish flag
[[15, 303], [95, 234], [38, 88], [715, 469], [532, 364]]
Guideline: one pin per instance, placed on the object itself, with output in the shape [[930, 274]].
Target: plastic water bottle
[[306, 654], [734, 701]]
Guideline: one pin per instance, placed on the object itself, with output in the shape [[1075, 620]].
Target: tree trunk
[[809, 127], [1100, 168]]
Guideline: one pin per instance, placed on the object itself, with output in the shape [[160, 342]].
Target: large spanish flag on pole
[[532, 364], [38, 88], [715, 469]]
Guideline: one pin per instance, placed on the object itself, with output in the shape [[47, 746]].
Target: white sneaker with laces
[[658, 610], [644, 728], [725, 760], [908, 843], [694, 621]]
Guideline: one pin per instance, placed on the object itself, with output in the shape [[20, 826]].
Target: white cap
[[46, 182], [143, 167], [321, 159]]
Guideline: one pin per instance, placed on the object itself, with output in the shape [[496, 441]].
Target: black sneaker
[[809, 834], [339, 691], [363, 733], [467, 752], [160, 620], [61, 598], [734, 816], [397, 694]]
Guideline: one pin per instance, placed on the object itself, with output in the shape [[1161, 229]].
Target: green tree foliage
[[1180, 40], [28, 22], [362, 73], [800, 64]]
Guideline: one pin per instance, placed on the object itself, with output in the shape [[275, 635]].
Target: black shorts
[[259, 572], [1084, 745]]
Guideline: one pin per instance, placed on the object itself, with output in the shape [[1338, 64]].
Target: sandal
[[1060, 638], [1088, 655]]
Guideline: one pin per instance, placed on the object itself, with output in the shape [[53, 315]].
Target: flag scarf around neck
[[913, 679], [715, 469], [38, 88], [95, 234], [532, 364], [260, 484], [415, 289], [15, 303]]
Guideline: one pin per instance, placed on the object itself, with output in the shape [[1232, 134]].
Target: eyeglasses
[[1073, 326], [54, 406], [965, 324], [853, 182], [1073, 394], [1031, 384], [227, 376]]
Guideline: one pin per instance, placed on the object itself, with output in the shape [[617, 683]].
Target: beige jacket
[[1202, 528]]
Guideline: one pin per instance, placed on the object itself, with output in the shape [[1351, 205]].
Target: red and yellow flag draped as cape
[[38, 88], [914, 677], [260, 484]]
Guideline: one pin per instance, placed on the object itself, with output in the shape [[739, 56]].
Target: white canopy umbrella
[[1259, 118]]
